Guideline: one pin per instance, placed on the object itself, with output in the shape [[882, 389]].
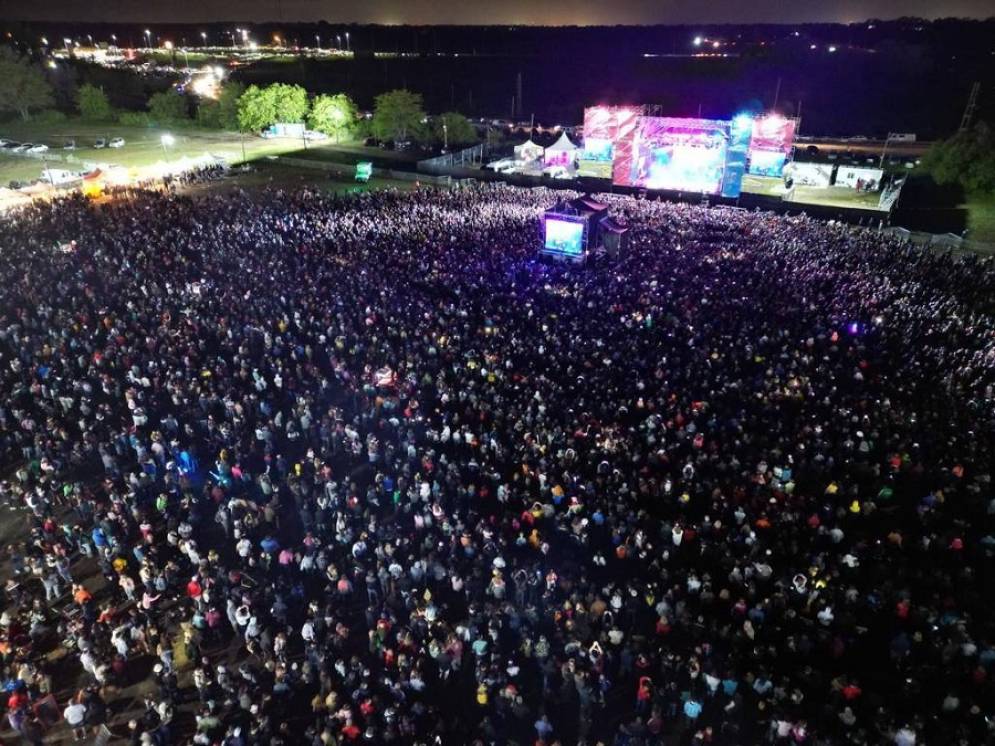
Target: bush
[[49, 116], [93, 104], [134, 119], [168, 107]]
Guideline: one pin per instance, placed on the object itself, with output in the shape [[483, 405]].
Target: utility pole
[[777, 94], [972, 105], [518, 93]]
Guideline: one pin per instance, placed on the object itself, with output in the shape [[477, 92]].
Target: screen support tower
[[972, 105]]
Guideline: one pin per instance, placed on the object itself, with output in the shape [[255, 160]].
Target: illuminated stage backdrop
[[678, 154]]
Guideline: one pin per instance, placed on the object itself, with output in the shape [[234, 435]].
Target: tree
[[454, 128], [255, 109], [222, 113], [93, 104], [967, 159], [23, 87], [168, 107], [398, 115], [231, 92], [336, 116], [289, 102]]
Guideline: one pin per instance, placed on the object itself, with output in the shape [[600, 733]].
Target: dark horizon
[[510, 12]]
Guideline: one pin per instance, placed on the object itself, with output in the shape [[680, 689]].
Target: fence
[[348, 171], [460, 159], [943, 241]]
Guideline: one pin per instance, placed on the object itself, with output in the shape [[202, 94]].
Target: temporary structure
[[528, 151], [560, 153]]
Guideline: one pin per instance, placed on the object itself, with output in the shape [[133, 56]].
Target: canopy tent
[[560, 153], [528, 151]]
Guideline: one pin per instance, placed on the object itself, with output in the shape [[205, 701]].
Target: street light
[[203, 38], [166, 139], [347, 41], [44, 41], [317, 40], [338, 42], [148, 38]]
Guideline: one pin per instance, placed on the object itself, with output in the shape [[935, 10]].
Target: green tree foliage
[[23, 87], [255, 109], [258, 108], [289, 102], [336, 116], [967, 159], [398, 115], [222, 113], [168, 107], [93, 104], [454, 128]]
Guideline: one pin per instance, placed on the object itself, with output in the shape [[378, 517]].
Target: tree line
[[398, 115]]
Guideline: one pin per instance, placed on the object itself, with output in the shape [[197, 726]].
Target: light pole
[[114, 39], [347, 47], [148, 39], [445, 136], [203, 38], [166, 139], [338, 42], [317, 40], [67, 42]]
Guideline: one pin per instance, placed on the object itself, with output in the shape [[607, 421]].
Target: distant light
[[44, 41], [697, 41], [797, 34], [853, 328], [716, 45], [743, 120], [814, 46], [219, 72], [167, 139], [168, 44], [53, 65], [832, 49]]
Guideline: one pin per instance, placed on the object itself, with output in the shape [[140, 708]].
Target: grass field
[[144, 148], [806, 195], [981, 219], [275, 175]]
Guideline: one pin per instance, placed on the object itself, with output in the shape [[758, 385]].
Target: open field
[[274, 175], [828, 196], [144, 148]]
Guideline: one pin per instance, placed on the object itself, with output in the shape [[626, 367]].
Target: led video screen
[[767, 163], [678, 154], [598, 149], [564, 236], [770, 145]]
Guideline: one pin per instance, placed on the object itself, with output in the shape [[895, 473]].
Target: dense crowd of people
[[309, 470]]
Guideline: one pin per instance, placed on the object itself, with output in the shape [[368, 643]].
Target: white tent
[[528, 151], [561, 152]]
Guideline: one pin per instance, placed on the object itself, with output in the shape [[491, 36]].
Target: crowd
[[318, 471]]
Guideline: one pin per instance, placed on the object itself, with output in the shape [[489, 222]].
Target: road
[[864, 147]]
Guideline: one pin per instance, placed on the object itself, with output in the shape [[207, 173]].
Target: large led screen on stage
[[678, 154], [770, 145], [608, 134], [564, 236]]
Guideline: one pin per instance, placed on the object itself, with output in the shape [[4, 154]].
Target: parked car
[[69, 145], [24, 147], [117, 142], [100, 143], [4, 143], [10, 145], [315, 135], [39, 148]]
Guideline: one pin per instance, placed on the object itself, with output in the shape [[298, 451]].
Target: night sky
[[537, 12]]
